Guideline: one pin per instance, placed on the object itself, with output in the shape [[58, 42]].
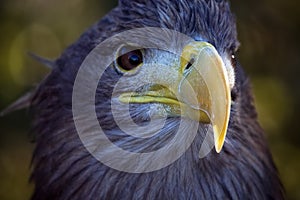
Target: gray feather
[[22, 103], [46, 62]]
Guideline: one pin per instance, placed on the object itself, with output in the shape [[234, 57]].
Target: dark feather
[[46, 62], [23, 102]]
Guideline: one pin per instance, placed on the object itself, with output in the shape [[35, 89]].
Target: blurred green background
[[269, 31]]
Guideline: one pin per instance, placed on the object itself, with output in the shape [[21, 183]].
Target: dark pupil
[[130, 60]]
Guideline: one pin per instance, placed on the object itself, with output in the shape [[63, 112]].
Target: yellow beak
[[200, 92]]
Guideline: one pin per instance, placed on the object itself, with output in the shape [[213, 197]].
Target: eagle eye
[[233, 60], [130, 60]]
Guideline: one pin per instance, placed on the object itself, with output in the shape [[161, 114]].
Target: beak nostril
[[189, 65]]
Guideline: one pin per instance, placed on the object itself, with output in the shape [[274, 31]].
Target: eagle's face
[[170, 79], [156, 79], [153, 94]]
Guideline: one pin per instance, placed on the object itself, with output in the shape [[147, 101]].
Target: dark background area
[[269, 31]]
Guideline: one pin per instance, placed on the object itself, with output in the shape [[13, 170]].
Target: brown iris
[[130, 60]]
